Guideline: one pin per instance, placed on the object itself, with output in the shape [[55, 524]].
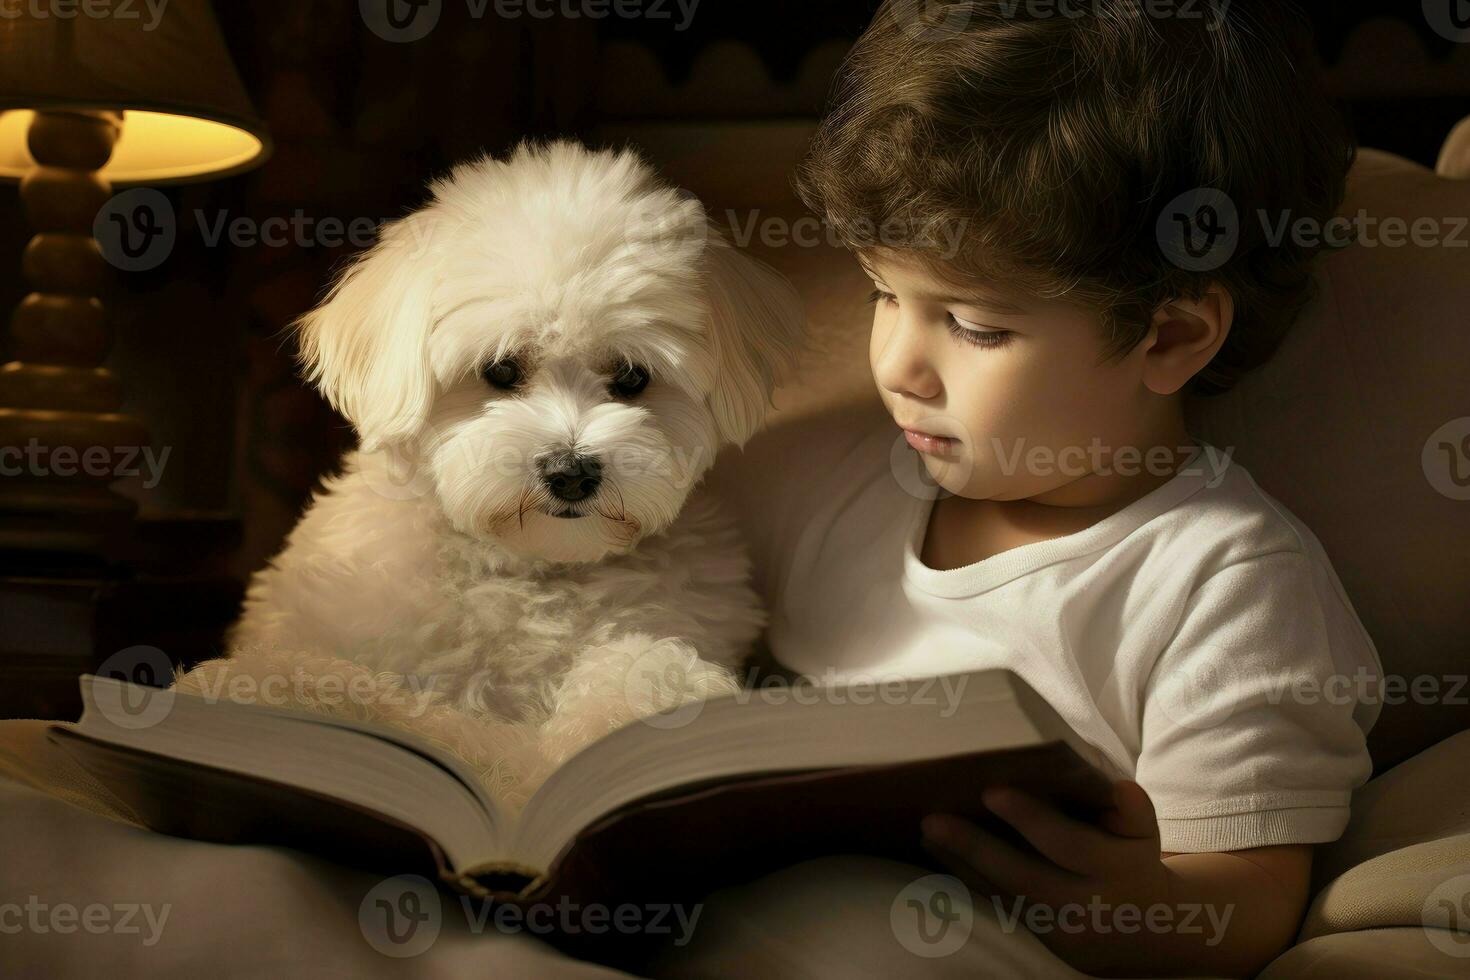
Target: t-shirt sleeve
[[1256, 713]]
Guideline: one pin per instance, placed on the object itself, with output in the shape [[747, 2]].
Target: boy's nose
[[902, 365]]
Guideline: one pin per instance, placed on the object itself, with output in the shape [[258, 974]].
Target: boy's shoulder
[[1225, 516]]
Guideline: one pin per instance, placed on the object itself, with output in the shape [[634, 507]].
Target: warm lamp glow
[[154, 147]]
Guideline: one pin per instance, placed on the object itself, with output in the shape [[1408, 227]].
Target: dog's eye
[[504, 375], [629, 381]]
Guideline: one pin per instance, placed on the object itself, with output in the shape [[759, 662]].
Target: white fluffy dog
[[541, 364]]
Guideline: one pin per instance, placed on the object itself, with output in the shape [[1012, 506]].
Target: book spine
[[503, 881]]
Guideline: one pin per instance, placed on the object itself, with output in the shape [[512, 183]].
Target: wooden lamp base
[[62, 437]]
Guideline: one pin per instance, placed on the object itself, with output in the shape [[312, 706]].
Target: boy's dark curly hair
[[1055, 136]]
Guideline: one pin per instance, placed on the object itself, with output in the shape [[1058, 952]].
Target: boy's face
[[1005, 397]]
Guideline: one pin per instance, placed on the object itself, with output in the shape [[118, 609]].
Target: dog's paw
[[210, 679], [627, 680]]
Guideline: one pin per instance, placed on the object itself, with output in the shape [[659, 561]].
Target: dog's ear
[[366, 345], [757, 324]]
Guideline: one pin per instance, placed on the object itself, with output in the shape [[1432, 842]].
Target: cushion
[[1406, 847], [1348, 426], [1371, 954]]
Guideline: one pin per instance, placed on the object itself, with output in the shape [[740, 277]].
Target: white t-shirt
[[1199, 637]]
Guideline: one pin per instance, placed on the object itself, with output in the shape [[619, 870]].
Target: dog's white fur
[[430, 574]]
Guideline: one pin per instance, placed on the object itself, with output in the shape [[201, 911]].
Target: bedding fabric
[[85, 891]]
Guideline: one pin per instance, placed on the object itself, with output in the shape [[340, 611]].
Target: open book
[[744, 782]]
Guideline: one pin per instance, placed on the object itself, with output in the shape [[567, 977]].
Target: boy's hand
[[1079, 865]]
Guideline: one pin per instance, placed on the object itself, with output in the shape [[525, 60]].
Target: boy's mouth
[[931, 445]]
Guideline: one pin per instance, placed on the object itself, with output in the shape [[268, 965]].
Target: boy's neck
[[963, 531], [1159, 456]]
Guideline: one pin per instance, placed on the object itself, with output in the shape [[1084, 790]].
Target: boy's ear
[[1185, 335], [365, 346]]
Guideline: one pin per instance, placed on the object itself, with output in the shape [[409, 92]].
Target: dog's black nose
[[571, 476]]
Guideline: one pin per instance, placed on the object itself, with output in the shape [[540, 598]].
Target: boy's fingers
[[1010, 870], [962, 869], [1069, 843]]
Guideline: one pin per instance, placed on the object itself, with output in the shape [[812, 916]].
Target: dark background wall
[[360, 123]]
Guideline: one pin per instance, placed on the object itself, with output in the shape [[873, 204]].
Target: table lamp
[[91, 99]]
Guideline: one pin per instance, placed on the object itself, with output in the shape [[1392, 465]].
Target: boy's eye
[[970, 334], [979, 337]]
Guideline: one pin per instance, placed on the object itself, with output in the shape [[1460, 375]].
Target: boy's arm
[[1268, 888], [1106, 900]]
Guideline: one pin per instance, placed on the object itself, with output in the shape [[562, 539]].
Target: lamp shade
[[186, 115]]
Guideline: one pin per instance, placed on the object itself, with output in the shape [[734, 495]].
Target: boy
[[1089, 155]]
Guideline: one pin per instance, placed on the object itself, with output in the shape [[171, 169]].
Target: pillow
[[1348, 426]]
